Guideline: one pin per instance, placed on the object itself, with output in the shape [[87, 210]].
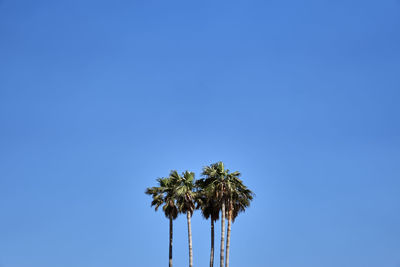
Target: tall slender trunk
[[221, 261], [170, 241], [190, 239], [228, 236], [212, 244]]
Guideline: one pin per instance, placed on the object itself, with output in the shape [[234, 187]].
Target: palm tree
[[239, 197], [215, 178], [209, 209], [185, 198], [164, 195]]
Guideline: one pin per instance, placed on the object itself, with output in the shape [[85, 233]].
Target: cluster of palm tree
[[220, 193]]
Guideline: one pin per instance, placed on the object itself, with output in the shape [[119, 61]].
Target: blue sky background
[[99, 98]]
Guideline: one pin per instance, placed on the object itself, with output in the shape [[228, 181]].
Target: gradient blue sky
[[99, 98]]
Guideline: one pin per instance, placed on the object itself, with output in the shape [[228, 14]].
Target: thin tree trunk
[[221, 261], [228, 236], [170, 241], [190, 239], [212, 244]]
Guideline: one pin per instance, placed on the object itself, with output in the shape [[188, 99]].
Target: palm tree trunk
[[170, 241], [212, 244], [190, 239], [221, 261], [228, 236]]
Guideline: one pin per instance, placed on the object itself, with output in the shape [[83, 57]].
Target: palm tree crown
[[238, 195], [205, 200], [185, 195], [164, 194]]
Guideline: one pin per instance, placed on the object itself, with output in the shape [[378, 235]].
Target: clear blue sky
[[99, 98]]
